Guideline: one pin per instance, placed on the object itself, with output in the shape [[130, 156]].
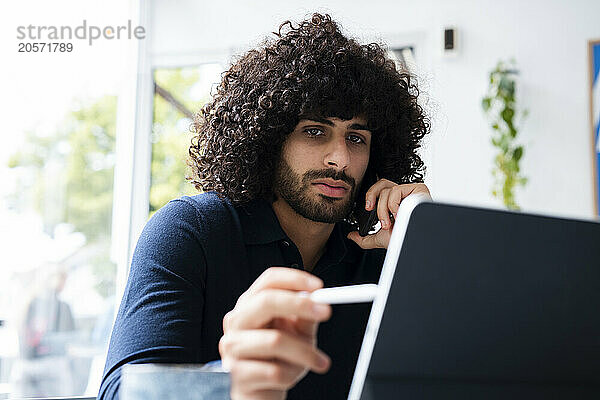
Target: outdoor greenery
[[68, 178], [171, 136], [67, 175], [499, 104]]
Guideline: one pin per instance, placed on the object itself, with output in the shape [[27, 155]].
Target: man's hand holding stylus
[[269, 341]]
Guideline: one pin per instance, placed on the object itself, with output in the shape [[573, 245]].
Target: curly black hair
[[310, 69]]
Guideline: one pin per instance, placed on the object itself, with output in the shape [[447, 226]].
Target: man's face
[[322, 164]]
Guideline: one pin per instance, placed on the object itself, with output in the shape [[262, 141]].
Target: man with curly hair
[[295, 128]]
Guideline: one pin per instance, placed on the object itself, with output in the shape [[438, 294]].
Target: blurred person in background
[[48, 325]]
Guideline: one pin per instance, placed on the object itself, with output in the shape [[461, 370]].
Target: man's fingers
[[248, 376], [297, 326], [307, 329], [260, 395], [383, 212], [285, 278], [379, 240], [373, 192], [400, 192], [365, 242], [268, 344], [260, 309]]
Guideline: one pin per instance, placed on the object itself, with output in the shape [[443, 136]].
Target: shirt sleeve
[[160, 316]]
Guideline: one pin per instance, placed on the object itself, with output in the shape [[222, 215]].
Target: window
[[178, 94], [58, 283]]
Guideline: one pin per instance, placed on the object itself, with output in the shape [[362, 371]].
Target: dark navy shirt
[[193, 260]]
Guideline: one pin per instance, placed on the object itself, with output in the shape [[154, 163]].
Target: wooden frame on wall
[[594, 96]]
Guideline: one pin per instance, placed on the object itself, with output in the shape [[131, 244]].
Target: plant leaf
[[485, 103], [518, 153]]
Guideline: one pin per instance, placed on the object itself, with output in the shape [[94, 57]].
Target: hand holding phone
[[387, 194], [366, 219]]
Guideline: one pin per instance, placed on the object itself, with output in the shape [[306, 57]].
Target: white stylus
[[345, 294]]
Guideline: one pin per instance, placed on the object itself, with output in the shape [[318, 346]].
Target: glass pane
[[58, 284], [179, 94]]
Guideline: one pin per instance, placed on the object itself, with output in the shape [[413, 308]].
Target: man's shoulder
[[201, 205], [202, 202], [201, 213]]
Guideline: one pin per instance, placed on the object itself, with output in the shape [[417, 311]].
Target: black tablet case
[[490, 304]]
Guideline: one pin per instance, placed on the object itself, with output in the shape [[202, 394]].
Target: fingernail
[[368, 204], [225, 364], [314, 282], [323, 361], [383, 224], [321, 310]]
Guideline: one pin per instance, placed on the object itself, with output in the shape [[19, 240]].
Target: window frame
[[135, 112]]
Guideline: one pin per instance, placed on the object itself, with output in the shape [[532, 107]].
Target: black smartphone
[[366, 220]]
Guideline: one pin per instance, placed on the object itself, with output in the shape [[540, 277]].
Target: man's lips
[[332, 183], [331, 191]]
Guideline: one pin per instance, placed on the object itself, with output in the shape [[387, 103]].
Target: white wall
[[547, 38]]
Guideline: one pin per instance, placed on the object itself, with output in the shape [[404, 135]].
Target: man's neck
[[309, 236]]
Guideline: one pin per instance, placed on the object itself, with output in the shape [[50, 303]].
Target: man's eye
[[356, 139], [313, 132]]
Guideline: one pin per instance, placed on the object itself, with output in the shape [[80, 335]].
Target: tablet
[[484, 303]]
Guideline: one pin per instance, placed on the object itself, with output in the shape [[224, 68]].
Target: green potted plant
[[499, 105]]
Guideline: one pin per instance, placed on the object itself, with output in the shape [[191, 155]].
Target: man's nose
[[338, 155]]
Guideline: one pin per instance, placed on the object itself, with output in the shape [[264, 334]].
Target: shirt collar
[[261, 226], [259, 223], [339, 247]]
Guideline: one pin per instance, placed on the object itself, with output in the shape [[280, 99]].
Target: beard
[[295, 189]]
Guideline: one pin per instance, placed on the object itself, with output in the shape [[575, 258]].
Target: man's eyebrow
[[325, 121], [359, 127]]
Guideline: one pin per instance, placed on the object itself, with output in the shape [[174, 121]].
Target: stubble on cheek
[[297, 190]]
